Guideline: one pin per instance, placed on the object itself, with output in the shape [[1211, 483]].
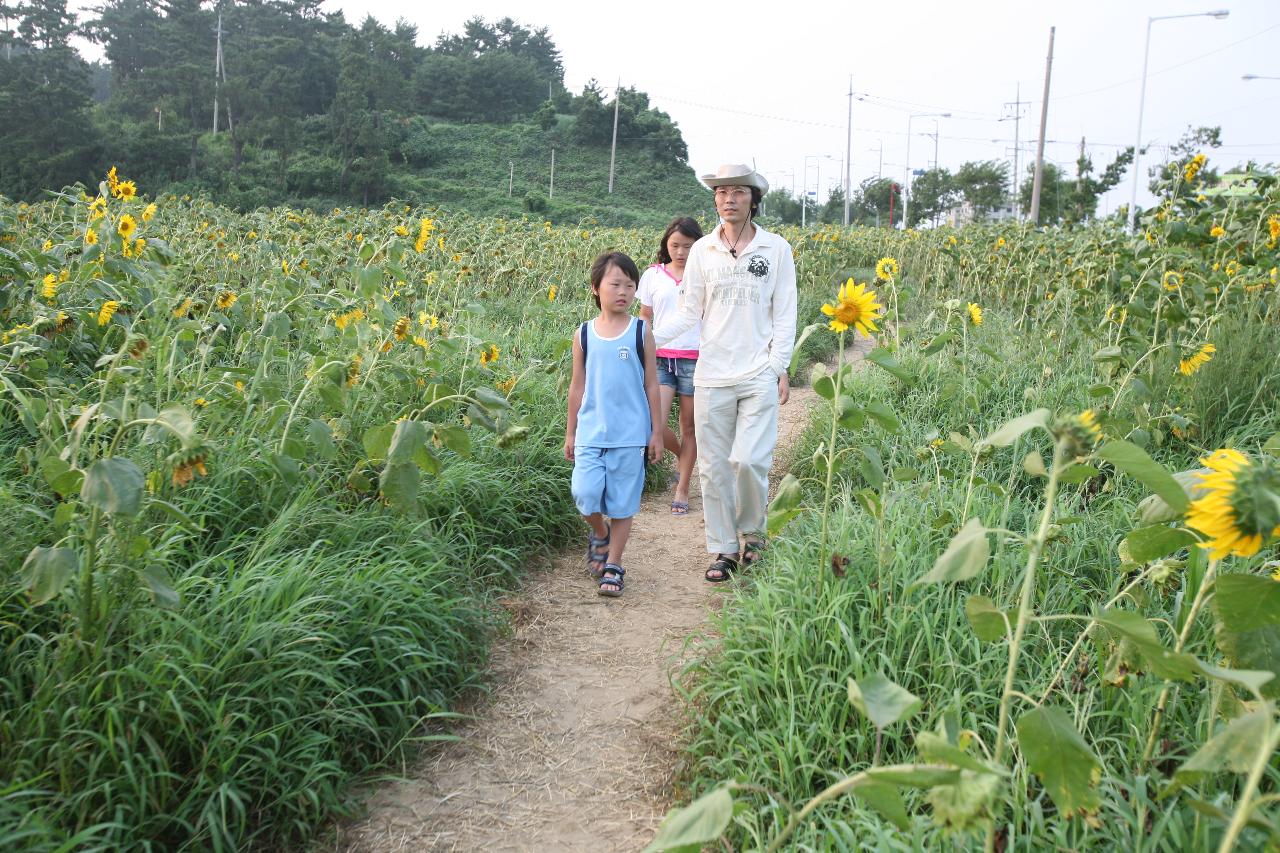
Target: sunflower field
[[265, 477]]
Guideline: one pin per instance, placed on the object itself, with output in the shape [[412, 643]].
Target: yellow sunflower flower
[[975, 313], [107, 311], [886, 269], [401, 328], [1241, 507], [126, 226], [855, 306], [1188, 366], [225, 299], [1171, 280], [149, 212], [1217, 231], [125, 190], [551, 294], [50, 288]]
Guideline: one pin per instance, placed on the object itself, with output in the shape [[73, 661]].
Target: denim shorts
[[608, 480], [677, 373]]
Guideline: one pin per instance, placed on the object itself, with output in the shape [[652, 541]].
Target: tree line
[[303, 105]]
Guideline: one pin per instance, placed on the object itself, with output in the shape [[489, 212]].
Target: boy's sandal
[[679, 507], [598, 552], [611, 580], [722, 569], [752, 552]]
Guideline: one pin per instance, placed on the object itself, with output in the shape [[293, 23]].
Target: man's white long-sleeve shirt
[[747, 306]]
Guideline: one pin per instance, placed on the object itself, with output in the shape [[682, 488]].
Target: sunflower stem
[[831, 467]]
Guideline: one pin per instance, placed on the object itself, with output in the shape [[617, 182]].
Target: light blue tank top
[[615, 410]]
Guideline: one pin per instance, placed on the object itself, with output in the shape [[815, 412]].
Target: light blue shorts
[[608, 480], [677, 373]]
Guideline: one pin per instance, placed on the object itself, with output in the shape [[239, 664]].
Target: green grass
[[768, 703]]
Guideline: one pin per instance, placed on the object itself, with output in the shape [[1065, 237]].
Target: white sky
[[768, 83]]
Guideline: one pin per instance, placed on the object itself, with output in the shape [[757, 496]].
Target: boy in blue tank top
[[613, 425]]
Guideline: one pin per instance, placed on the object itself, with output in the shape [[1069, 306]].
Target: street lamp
[[1217, 15], [906, 185], [1258, 77]]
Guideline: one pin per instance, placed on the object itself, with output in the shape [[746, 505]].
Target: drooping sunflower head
[[1171, 280], [225, 299], [1196, 360], [975, 313], [855, 306], [1080, 433], [1241, 507], [886, 269], [107, 311], [401, 328]]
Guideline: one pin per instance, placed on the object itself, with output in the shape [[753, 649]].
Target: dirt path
[[576, 746]]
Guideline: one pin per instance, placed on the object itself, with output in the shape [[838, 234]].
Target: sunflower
[[149, 212], [353, 371], [126, 226], [886, 268], [1273, 227], [182, 310], [125, 190], [975, 313], [113, 179], [856, 306], [1193, 167], [401, 328], [1190, 365], [97, 209], [551, 294], [225, 299], [1217, 231], [1171, 280], [107, 311], [50, 286], [490, 355], [1241, 507]]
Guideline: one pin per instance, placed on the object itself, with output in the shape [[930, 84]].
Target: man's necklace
[[733, 250]]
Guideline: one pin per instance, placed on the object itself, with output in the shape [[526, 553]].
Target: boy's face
[[617, 291]]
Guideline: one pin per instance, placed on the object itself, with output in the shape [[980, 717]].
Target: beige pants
[[737, 428]]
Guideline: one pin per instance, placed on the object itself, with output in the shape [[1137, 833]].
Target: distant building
[[963, 214]]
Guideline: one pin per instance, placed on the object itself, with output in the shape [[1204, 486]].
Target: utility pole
[[217, 67], [511, 177], [1080, 181], [551, 192], [613, 149], [1017, 104], [848, 153], [1044, 118], [220, 71]]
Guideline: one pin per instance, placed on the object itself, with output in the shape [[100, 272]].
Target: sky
[[767, 83]]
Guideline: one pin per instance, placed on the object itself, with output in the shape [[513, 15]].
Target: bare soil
[[577, 744]]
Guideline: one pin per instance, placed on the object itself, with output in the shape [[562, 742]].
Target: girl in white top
[[659, 295]]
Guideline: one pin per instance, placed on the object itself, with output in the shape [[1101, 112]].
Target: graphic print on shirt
[[758, 266], [729, 285], [624, 353]]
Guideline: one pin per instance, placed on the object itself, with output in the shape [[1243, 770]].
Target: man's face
[[733, 203]]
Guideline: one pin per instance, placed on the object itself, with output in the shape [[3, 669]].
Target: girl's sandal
[[721, 570], [611, 580], [597, 553], [752, 552]]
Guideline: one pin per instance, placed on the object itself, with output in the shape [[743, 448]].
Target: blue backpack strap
[[640, 340], [582, 335]]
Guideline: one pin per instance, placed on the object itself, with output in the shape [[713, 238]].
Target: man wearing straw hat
[[740, 282]]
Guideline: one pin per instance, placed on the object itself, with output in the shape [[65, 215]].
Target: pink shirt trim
[[663, 267], [677, 353]]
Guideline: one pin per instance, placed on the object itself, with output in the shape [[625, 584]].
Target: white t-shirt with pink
[[660, 290]]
